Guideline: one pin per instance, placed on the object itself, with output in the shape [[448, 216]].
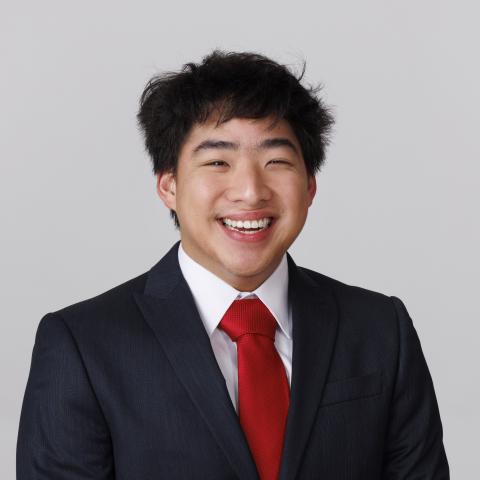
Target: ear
[[312, 188], [166, 189]]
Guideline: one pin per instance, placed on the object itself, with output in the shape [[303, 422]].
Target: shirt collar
[[213, 296]]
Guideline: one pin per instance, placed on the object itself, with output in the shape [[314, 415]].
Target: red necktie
[[263, 392]]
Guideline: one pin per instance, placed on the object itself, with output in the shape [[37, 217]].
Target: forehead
[[245, 132]]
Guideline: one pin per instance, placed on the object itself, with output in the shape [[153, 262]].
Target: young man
[[227, 360]]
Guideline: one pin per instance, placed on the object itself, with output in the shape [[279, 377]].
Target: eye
[[278, 160], [218, 163]]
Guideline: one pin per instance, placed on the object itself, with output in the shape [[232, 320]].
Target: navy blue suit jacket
[[125, 386]]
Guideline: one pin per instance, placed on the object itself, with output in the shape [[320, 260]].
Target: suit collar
[[315, 321], [169, 308]]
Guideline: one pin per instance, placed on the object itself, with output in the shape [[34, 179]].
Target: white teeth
[[247, 224]]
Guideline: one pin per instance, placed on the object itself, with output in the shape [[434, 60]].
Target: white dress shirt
[[213, 297]]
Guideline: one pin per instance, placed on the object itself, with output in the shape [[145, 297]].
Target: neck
[[241, 281]]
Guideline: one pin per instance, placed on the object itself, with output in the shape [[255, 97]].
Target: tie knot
[[248, 316]]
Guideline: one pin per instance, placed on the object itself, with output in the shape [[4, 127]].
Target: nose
[[248, 186]]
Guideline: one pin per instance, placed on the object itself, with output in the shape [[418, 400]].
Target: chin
[[246, 269]]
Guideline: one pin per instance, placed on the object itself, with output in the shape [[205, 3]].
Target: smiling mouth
[[247, 227]]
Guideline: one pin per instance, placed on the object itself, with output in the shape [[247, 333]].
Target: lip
[[253, 215], [250, 237]]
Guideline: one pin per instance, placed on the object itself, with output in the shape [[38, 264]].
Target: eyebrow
[[264, 145]]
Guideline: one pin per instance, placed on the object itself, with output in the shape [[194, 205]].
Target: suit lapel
[[314, 323], [169, 308]]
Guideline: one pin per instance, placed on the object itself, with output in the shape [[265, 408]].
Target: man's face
[[241, 170]]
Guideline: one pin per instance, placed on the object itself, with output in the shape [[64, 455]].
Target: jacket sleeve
[[414, 447], [63, 434]]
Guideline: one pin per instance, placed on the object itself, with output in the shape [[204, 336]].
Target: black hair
[[234, 85]]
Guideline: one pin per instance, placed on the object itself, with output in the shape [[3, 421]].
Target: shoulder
[[113, 306], [359, 306], [370, 322], [347, 294]]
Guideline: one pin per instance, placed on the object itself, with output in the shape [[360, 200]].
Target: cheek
[[198, 196], [295, 198]]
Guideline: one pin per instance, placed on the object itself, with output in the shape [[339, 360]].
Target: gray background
[[395, 209]]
